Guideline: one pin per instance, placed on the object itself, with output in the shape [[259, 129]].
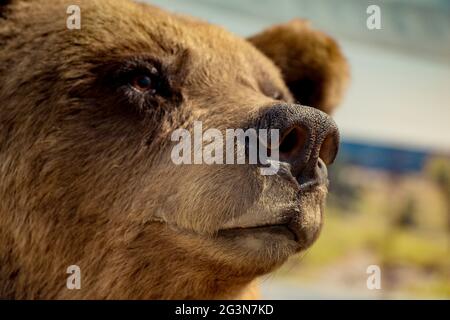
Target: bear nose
[[309, 139]]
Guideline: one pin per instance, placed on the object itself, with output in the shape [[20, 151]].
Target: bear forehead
[[122, 24], [121, 28]]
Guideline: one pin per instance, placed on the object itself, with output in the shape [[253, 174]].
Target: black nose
[[309, 139]]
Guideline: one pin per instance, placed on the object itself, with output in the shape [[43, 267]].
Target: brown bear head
[[87, 176]]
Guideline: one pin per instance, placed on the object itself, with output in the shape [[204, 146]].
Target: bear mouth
[[285, 229], [300, 224], [288, 228]]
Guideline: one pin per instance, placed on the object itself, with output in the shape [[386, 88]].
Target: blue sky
[[396, 98]]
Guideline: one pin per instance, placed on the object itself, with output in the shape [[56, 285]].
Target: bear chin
[[266, 247]]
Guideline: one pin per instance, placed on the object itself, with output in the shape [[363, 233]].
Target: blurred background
[[390, 187]]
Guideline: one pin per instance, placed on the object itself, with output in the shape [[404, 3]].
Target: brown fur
[[316, 79], [85, 171]]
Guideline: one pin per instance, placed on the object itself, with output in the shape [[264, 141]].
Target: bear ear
[[312, 64]]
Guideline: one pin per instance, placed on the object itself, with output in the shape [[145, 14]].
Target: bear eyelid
[[277, 95], [271, 90], [274, 93], [136, 65], [124, 71]]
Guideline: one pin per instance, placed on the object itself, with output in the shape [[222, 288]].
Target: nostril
[[328, 149], [292, 143]]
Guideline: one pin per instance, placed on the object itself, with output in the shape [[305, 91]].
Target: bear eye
[[271, 90], [143, 83]]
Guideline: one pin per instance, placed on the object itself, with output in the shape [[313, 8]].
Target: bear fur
[[85, 172]]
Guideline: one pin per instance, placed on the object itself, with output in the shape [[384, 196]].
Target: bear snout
[[309, 140]]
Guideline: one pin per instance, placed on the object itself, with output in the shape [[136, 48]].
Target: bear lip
[[286, 223], [290, 220], [269, 228]]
